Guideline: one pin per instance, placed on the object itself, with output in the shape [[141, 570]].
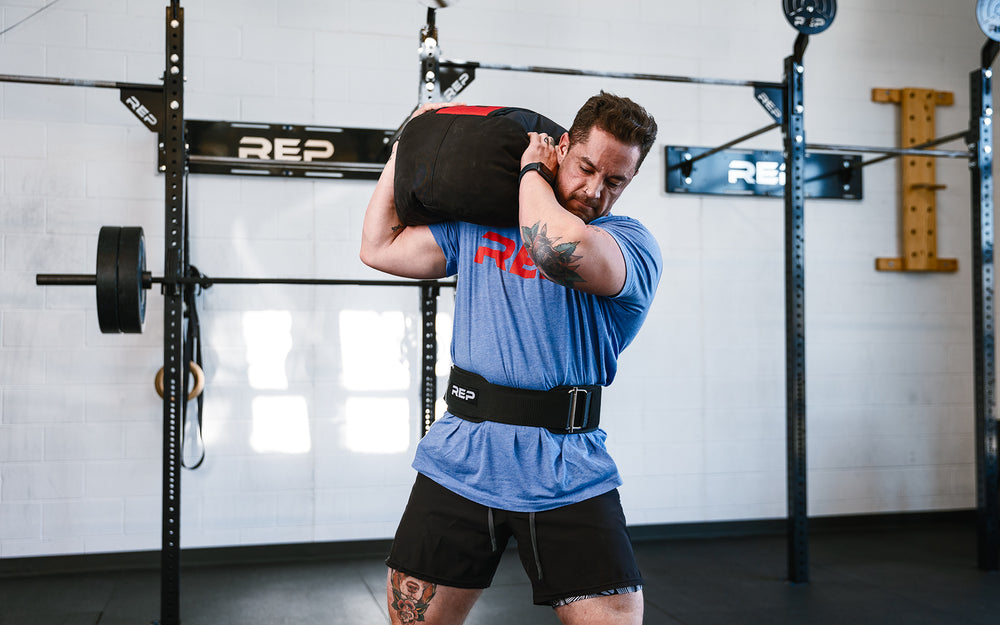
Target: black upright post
[[174, 367], [428, 375], [793, 127], [430, 63], [981, 168]]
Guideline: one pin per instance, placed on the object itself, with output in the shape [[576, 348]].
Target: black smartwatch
[[541, 169]]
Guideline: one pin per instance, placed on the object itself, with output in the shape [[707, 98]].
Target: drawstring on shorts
[[493, 535], [531, 528]]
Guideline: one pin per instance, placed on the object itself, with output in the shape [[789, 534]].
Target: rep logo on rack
[[768, 173], [141, 111], [285, 149]]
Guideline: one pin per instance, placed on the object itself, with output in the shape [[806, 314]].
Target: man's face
[[593, 173]]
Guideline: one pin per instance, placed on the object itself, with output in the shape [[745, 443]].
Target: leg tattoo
[[410, 597]]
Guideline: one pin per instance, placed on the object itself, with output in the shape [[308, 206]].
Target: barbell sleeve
[[65, 279]]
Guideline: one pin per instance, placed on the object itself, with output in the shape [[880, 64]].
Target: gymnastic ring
[[199, 381]]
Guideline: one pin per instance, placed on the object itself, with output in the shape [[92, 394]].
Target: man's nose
[[593, 189]]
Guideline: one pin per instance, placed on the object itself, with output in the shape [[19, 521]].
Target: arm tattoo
[[410, 597], [556, 260]]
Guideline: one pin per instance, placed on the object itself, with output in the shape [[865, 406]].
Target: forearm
[[381, 224], [565, 249], [550, 233], [390, 246]]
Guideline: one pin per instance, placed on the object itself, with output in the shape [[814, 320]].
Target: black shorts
[[578, 550]]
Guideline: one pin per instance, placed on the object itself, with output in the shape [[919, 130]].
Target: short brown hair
[[621, 117]]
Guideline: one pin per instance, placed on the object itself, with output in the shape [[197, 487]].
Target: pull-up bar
[[537, 69], [78, 82]]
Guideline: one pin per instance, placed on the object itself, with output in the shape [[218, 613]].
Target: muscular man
[[542, 311]]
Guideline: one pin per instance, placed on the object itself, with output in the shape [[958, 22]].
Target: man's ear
[[563, 147]]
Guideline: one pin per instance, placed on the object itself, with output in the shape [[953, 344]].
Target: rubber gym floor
[[906, 571]]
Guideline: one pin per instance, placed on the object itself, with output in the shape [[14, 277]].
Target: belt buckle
[[574, 406]]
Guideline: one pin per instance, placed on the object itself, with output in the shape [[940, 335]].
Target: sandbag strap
[[562, 410]]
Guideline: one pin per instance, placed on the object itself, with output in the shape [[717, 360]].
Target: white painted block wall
[[311, 410]]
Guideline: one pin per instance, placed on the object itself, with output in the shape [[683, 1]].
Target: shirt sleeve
[[446, 236], [643, 261]]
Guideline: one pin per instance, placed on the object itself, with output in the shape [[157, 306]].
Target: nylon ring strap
[[192, 347], [562, 410]]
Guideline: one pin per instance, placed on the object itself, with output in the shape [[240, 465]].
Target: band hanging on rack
[[192, 345]]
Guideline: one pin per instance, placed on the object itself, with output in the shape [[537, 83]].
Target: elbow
[[367, 257], [367, 254], [559, 271]]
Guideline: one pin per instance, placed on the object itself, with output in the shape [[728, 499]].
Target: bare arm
[[388, 245], [565, 248]]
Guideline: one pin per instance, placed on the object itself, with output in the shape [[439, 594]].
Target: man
[[542, 311]]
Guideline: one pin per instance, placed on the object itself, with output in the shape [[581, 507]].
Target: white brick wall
[[696, 417]]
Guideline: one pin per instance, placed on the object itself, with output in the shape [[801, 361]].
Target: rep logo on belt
[[464, 393]]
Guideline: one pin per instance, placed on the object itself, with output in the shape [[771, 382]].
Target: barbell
[[121, 280]]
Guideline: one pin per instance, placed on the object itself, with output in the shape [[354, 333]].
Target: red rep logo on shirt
[[522, 265]]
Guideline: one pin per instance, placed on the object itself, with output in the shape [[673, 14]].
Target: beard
[[583, 207]]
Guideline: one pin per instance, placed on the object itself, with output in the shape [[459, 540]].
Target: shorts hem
[[547, 599], [434, 579]]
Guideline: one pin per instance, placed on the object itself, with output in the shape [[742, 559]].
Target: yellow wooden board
[[918, 184]]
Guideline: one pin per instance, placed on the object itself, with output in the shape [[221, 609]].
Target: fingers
[[543, 138], [546, 141], [541, 148]]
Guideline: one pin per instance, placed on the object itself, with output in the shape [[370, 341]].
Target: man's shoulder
[[623, 226], [618, 221], [634, 239]]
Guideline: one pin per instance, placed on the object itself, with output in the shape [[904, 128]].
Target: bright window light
[[280, 425], [268, 336], [372, 351]]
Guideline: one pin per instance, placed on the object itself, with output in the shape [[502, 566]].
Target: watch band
[[541, 169]]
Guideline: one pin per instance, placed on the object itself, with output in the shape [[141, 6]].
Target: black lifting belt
[[562, 410]]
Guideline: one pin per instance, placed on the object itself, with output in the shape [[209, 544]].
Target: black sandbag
[[461, 164]]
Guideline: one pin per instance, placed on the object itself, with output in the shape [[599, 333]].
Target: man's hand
[[542, 148]]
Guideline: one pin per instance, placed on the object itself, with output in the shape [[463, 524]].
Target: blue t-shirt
[[516, 328]]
